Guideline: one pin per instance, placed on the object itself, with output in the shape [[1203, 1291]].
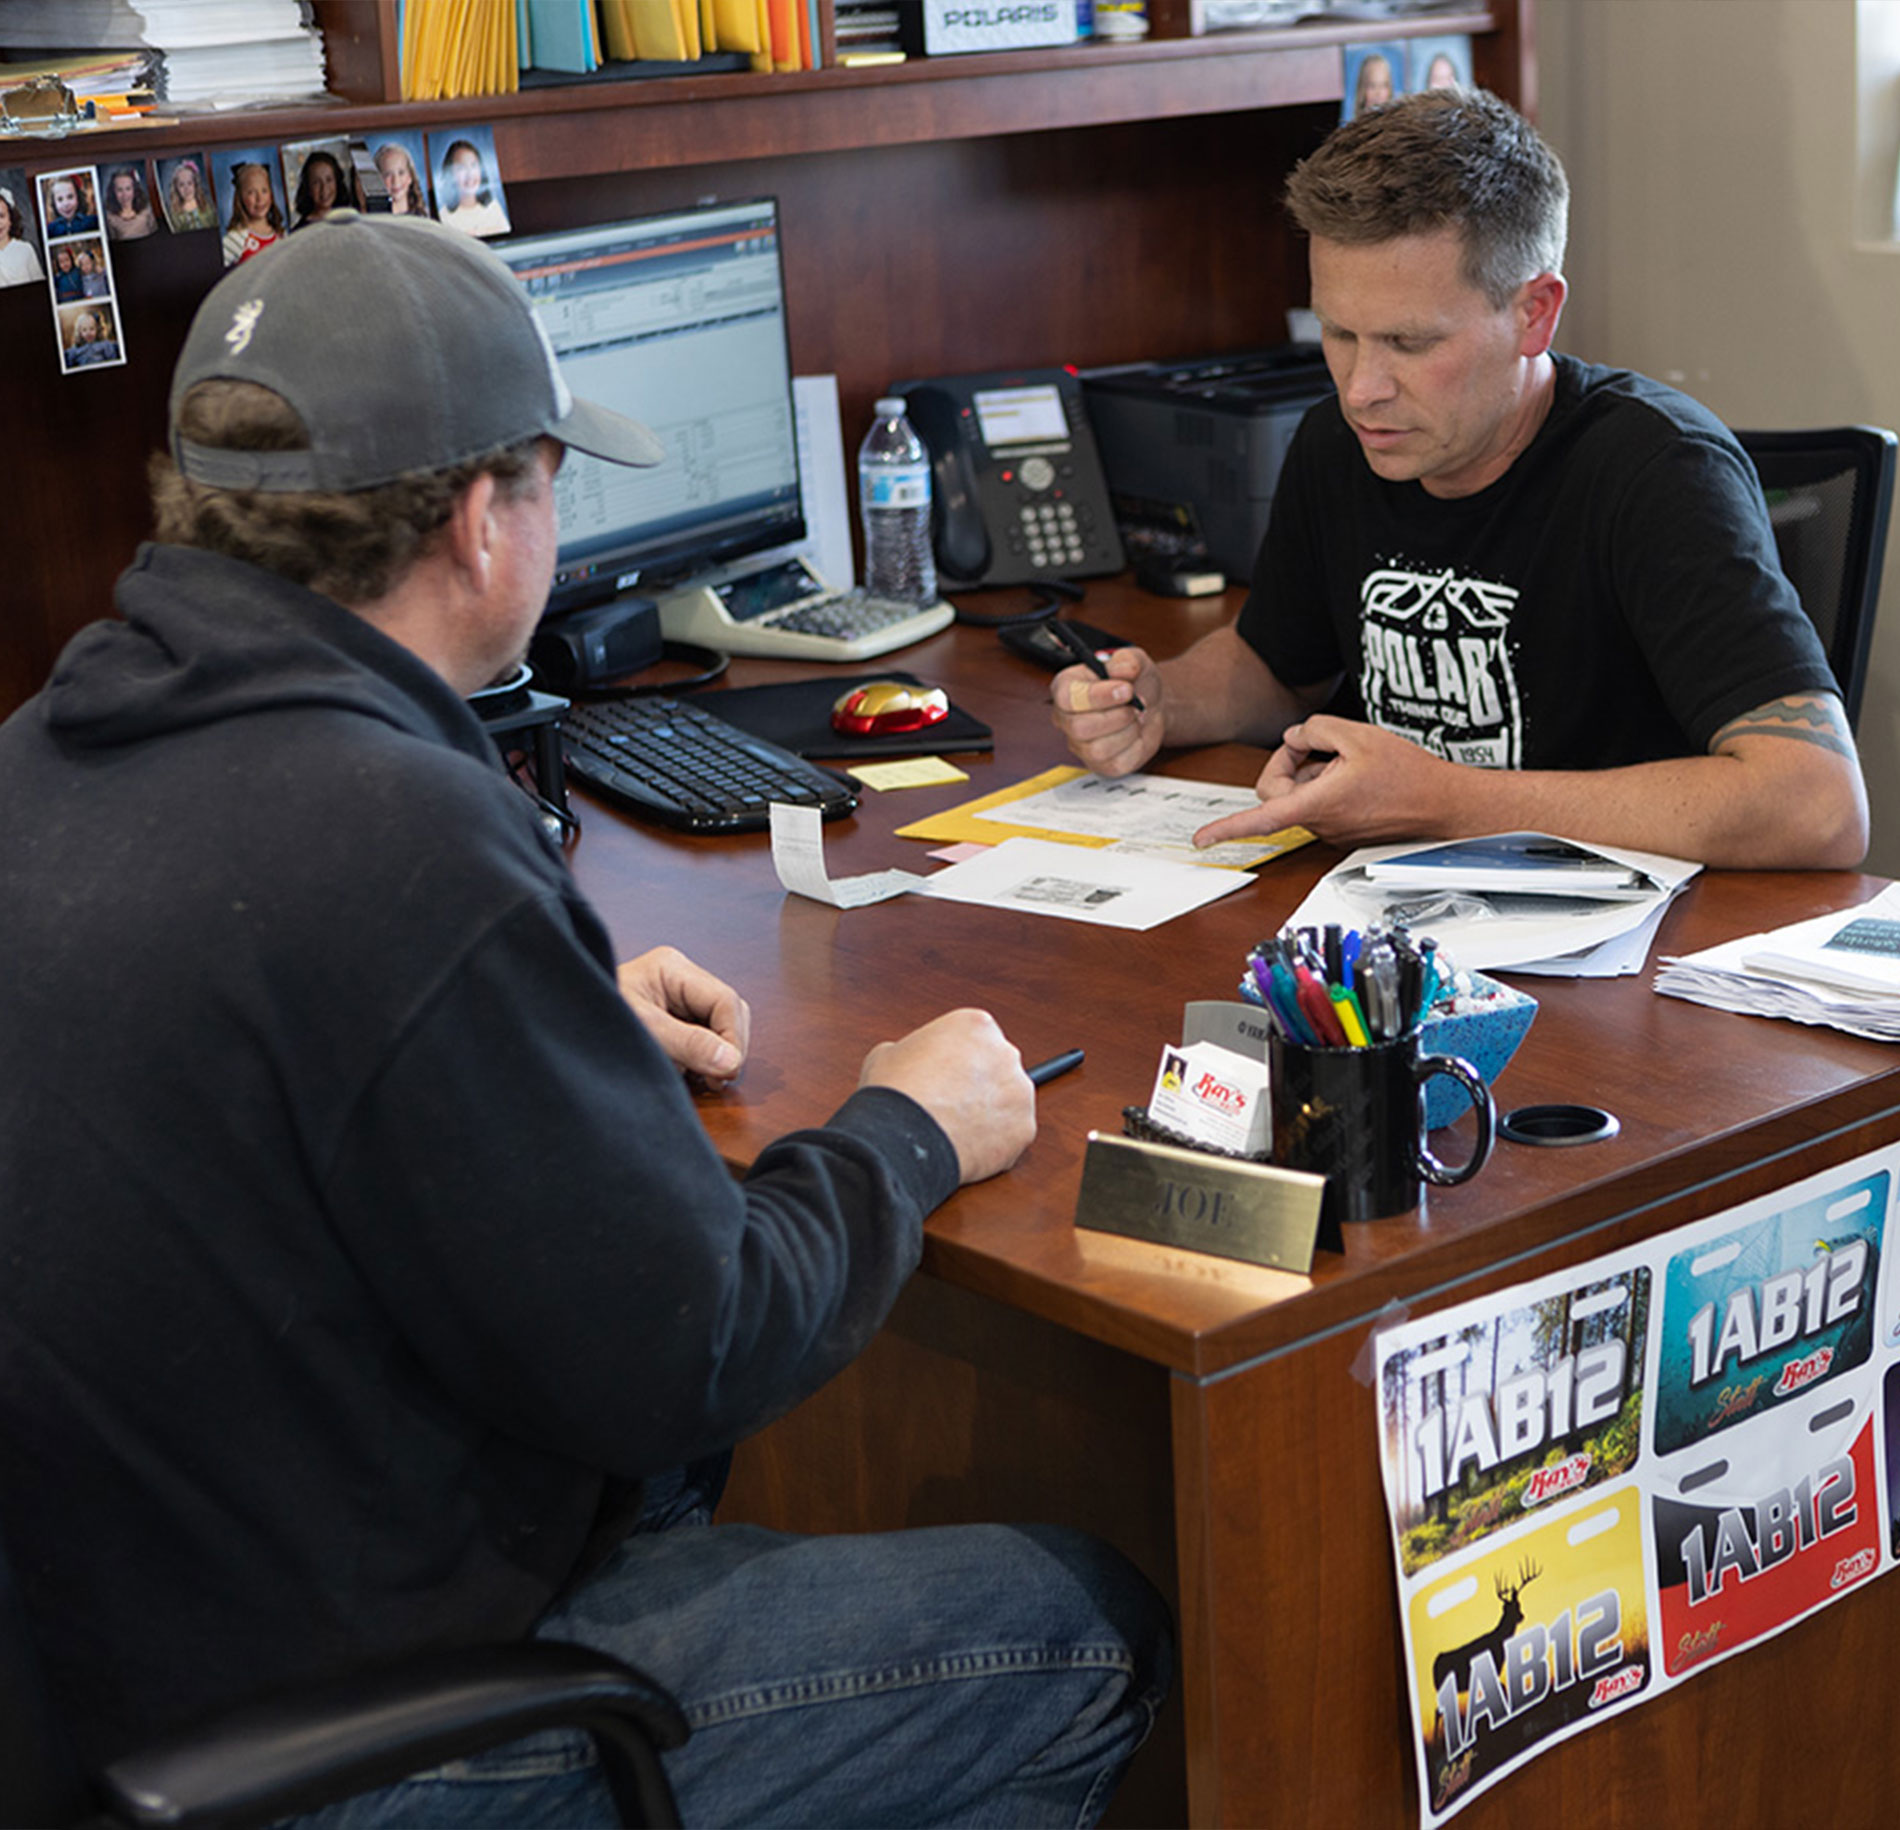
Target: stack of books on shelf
[[596, 38], [192, 53], [877, 31], [773, 34]]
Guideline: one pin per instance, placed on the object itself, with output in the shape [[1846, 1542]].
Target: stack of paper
[[1840, 969], [209, 53], [102, 76], [1518, 902]]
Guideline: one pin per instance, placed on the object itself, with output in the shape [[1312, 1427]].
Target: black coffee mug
[[1356, 1116]]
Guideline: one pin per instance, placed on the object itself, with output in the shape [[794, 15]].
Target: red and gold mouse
[[882, 708]]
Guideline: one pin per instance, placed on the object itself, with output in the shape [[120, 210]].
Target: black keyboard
[[675, 763]]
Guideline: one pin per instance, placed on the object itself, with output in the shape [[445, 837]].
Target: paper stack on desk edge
[[1841, 970], [1488, 928]]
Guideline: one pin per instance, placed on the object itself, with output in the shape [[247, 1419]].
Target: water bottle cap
[[889, 406]]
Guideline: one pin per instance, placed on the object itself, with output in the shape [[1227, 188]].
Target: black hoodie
[[358, 1247]]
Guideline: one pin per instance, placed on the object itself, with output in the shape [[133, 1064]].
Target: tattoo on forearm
[[1809, 719]]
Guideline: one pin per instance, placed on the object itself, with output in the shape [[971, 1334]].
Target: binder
[[656, 31], [738, 23], [784, 35], [616, 29], [563, 33]]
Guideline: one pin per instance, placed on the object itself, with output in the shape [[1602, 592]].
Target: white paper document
[[1109, 888], [827, 542], [1841, 969], [1154, 815], [1490, 930], [798, 855]]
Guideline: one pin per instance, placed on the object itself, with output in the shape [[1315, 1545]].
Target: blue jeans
[[972, 1675]]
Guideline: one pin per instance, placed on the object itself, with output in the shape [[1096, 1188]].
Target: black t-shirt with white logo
[[1613, 598]]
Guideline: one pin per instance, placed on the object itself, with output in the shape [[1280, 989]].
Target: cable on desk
[[1055, 593]]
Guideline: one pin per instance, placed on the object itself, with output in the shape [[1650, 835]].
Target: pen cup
[[1356, 1116]]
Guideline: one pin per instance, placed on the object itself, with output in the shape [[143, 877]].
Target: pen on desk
[[1045, 1071], [1078, 645]]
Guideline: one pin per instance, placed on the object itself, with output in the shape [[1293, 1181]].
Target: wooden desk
[[1215, 1419]]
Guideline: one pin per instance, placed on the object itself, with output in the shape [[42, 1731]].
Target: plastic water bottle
[[894, 498]]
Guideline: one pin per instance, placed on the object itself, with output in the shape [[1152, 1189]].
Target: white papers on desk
[[1841, 969], [1112, 889], [1155, 815], [1489, 931]]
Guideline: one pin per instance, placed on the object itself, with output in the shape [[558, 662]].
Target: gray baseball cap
[[402, 345]]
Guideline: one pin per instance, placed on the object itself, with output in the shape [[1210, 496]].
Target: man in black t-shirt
[[1500, 589]]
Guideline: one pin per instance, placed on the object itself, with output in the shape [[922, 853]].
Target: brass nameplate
[[1202, 1203]]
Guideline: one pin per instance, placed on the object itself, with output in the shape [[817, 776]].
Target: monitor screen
[[678, 320]]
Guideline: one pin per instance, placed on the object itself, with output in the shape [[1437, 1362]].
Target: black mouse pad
[[798, 716]]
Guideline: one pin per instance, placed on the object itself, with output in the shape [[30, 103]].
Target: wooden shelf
[[590, 126]]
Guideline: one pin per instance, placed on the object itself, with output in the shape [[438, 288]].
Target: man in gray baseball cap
[[372, 1286]]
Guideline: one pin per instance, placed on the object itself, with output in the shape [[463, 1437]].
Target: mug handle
[[1468, 1077]]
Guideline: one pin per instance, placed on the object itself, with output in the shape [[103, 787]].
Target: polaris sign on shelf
[[997, 25]]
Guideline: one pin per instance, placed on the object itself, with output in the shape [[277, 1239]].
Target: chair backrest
[[1829, 495], [40, 1782]]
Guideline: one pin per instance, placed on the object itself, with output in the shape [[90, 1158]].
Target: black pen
[[1045, 1071], [1078, 645]]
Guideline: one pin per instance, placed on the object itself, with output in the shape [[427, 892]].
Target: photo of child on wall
[[1439, 63], [129, 214], [184, 192], [468, 193], [69, 202], [403, 166], [317, 180], [248, 202], [1375, 75], [89, 336], [20, 262]]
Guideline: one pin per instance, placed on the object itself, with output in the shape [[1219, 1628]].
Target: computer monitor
[[678, 320]]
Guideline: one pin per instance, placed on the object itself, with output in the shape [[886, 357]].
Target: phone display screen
[[1020, 416]]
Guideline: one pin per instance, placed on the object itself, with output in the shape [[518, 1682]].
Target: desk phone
[[788, 612]]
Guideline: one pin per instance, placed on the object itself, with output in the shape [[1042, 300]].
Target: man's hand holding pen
[[1110, 710]]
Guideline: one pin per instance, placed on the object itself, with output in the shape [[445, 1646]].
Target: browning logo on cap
[[243, 320]]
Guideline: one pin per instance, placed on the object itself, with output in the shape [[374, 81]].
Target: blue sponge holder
[[1487, 1037]]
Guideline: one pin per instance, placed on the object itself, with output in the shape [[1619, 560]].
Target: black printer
[[1193, 449]]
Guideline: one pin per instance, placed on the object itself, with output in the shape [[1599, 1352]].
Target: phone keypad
[[1051, 535]]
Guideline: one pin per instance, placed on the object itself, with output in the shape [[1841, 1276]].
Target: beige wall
[[1711, 146]]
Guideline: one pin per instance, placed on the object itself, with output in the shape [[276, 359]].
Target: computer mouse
[[882, 708]]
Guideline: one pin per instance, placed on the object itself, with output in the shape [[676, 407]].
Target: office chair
[[1829, 494], [328, 1742]]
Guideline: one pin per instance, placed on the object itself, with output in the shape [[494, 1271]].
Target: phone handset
[[961, 540]]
